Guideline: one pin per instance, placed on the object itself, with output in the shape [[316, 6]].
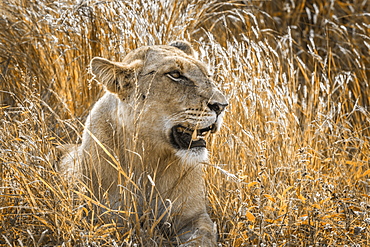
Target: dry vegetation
[[291, 166]]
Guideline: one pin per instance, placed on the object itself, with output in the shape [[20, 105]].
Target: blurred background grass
[[291, 164]]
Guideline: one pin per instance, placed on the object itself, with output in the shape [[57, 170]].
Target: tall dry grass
[[291, 164]]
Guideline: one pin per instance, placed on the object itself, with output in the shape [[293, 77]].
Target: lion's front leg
[[200, 232]]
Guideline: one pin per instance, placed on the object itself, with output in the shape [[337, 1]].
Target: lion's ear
[[117, 77], [184, 46]]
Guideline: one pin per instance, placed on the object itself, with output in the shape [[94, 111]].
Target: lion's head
[[168, 95]]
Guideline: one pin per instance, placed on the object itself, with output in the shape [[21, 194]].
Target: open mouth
[[185, 138]]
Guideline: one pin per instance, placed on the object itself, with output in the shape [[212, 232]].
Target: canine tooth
[[194, 135], [207, 134]]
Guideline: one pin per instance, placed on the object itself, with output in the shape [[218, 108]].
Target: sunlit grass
[[291, 164]]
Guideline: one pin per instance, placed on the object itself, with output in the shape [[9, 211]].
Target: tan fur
[[127, 135]]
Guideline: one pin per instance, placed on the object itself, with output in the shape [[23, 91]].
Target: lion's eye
[[175, 75], [178, 77]]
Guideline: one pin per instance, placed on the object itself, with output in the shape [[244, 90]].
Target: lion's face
[[176, 103]]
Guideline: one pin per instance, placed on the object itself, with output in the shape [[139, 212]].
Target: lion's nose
[[217, 107]]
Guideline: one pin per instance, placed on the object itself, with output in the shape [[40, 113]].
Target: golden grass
[[291, 165]]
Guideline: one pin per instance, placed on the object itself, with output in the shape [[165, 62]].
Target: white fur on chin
[[193, 156]]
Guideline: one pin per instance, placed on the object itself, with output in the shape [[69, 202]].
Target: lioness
[[160, 104]]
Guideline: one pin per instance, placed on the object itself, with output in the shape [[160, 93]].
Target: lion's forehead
[[171, 59]]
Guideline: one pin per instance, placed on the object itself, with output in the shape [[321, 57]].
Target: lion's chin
[[193, 156]]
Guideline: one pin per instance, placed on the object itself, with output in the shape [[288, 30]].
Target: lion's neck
[[172, 174]]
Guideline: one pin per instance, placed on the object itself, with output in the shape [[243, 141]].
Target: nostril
[[217, 107]]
